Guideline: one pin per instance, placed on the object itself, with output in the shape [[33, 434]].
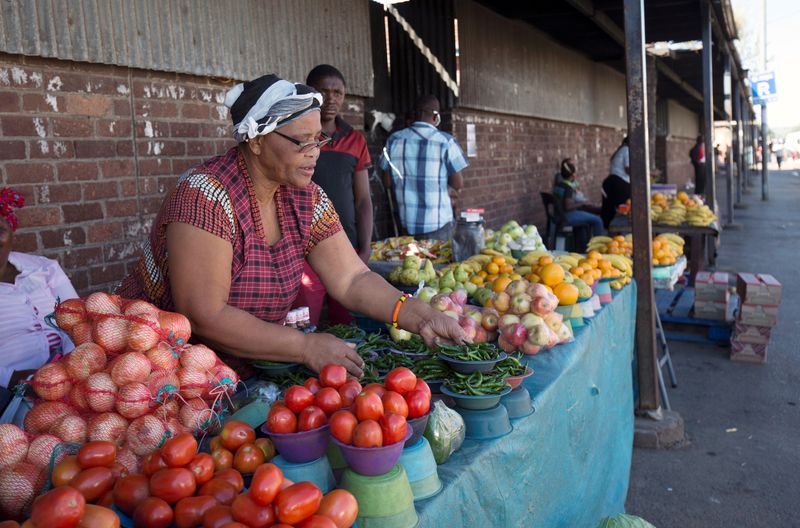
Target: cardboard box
[[758, 315], [759, 288], [748, 352], [757, 335], [711, 286], [717, 311]]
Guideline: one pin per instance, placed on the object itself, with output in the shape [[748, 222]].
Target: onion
[[194, 383], [175, 427], [198, 357], [13, 445], [194, 413], [165, 411], [138, 307], [41, 448], [163, 356], [111, 333], [70, 313], [77, 397], [103, 303], [107, 426], [222, 376], [129, 460], [84, 361], [81, 333], [162, 384], [178, 326], [71, 429], [145, 434], [142, 336], [45, 415], [51, 382], [18, 487], [133, 400], [101, 392], [130, 366]]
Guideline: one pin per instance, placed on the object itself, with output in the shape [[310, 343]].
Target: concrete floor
[[742, 464]]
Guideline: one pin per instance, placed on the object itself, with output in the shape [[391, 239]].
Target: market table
[[569, 462]]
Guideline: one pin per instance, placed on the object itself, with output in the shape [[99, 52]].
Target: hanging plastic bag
[[445, 432]]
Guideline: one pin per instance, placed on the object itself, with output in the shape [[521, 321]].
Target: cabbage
[[624, 521]]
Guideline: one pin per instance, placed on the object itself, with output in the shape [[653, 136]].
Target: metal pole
[[708, 103], [636, 83], [765, 154], [737, 143], [726, 85]]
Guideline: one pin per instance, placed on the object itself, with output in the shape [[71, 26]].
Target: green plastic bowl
[[384, 501], [476, 403]]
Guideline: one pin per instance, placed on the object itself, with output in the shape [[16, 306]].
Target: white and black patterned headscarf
[[260, 106]]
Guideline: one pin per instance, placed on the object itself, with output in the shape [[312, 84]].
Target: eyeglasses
[[307, 146]]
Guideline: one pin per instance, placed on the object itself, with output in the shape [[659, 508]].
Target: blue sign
[[762, 88]]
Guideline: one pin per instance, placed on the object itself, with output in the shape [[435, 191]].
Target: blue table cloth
[[567, 464]]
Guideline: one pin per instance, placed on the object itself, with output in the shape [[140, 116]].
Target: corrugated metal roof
[[239, 39]]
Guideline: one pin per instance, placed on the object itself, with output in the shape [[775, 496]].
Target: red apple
[[441, 302], [530, 349], [459, 296], [451, 314], [516, 287], [502, 301], [505, 345], [539, 335], [530, 320], [489, 320], [521, 304], [515, 334], [481, 336], [507, 320]]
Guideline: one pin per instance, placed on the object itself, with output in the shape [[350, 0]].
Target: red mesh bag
[[84, 361], [71, 429], [146, 434], [19, 485], [107, 426], [133, 400], [13, 445], [51, 382], [130, 367], [45, 415], [41, 447], [163, 385], [101, 392]]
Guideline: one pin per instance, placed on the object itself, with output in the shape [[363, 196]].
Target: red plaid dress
[[218, 197]]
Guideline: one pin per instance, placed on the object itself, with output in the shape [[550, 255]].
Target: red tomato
[[153, 513], [107, 500], [266, 445], [343, 423], [266, 483], [297, 398], [328, 399], [223, 459], [313, 385], [97, 453], [61, 507], [419, 403], [235, 434], [65, 470], [130, 491], [333, 376], [377, 388], [217, 517], [423, 386], [368, 434], [368, 406], [286, 483], [153, 462], [179, 450], [247, 458], [393, 427], [118, 470], [232, 476], [234, 524], [215, 443], [173, 484], [189, 512], [317, 521], [401, 380], [310, 418], [98, 517], [223, 491], [394, 403], [281, 420], [297, 502], [340, 506], [349, 391], [246, 510], [93, 483], [202, 466]]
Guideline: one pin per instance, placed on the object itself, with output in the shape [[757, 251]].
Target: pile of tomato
[[372, 416], [237, 447]]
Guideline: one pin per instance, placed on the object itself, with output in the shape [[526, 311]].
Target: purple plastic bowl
[[301, 447], [372, 461], [417, 428]]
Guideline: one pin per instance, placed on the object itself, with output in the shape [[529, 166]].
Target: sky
[[783, 53]]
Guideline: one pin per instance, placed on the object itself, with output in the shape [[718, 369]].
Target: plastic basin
[[435, 386], [384, 501], [486, 424], [516, 381], [468, 367], [301, 447], [417, 428], [517, 403], [410, 355], [317, 471], [476, 403], [420, 467], [372, 461]]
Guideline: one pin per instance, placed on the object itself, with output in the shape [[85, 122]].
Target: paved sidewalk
[[742, 465]]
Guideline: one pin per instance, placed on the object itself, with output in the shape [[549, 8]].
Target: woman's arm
[[363, 200], [348, 280], [200, 292]]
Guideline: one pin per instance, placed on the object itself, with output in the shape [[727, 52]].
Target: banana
[[601, 238]]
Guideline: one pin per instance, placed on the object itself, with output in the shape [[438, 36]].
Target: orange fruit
[[594, 255], [619, 238], [532, 277], [515, 276], [491, 278], [594, 263], [507, 268], [477, 280], [543, 261], [482, 274], [500, 284], [566, 293], [492, 268], [552, 274], [500, 261], [576, 270]]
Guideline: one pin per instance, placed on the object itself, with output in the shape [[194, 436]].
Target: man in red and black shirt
[[343, 173]]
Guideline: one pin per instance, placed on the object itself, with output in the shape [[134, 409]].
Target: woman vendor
[[228, 245]]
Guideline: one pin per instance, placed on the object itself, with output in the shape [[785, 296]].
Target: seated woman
[[228, 245], [617, 186], [572, 202], [29, 287]]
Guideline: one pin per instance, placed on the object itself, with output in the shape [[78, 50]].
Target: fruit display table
[[569, 462]]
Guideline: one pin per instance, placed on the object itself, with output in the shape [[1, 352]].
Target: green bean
[[414, 345], [344, 331], [431, 369], [471, 351], [477, 383], [511, 366]]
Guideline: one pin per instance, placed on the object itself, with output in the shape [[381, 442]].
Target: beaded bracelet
[[403, 298]]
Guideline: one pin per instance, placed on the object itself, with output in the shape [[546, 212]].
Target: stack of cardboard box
[[712, 297], [760, 295]]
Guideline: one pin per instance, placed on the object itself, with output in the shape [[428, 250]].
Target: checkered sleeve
[[325, 221], [202, 201], [455, 157]]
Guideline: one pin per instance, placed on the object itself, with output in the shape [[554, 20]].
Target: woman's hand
[[321, 349], [435, 328]]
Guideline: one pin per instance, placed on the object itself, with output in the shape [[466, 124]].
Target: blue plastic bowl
[[468, 367], [517, 403], [475, 403], [317, 471], [420, 467], [486, 424], [417, 426], [301, 447]]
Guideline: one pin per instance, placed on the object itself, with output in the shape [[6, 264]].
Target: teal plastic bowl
[[384, 501], [486, 424], [420, 467], [468, 367], [318, 472], [475, 403], [517, 403]]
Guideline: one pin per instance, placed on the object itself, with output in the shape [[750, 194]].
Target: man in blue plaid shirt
[[419, 162]]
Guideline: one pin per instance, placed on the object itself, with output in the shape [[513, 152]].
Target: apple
[[530, 349], [502, 301], [521, 304], [481, 336], [470, 332], [398, 334], [441, 302], [543, 305], [426, 294], [553, 339], [539, 335], [516, 334], [554, 320], [564, 334], [477, 315], [489, 320], [459, 296], [504, 239], [471, 287], [505, 345], [466, 321], [507, 320], [452, 314], [537, 289], [530, 320], [516, 287]]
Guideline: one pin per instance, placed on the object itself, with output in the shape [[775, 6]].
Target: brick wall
[[679, 168]]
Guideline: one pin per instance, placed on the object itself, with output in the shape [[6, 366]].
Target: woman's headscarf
[[10, 198], [260, 106]]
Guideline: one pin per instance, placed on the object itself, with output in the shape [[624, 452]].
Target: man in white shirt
[[29, 287]]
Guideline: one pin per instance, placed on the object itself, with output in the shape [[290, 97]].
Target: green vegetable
[[343, 331], [624, 521], [431, 369], [477, 383], [445, 432], [471, 351], [414, 345], [509, 367], [388, 361]]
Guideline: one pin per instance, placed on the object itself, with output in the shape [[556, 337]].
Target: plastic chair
[[557, 232]]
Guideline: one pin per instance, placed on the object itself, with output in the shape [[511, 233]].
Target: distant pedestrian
[[572, 203], [617, 186], [698, 158]]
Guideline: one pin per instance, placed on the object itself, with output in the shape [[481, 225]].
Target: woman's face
[[283, 161], [6, 237], [332, 90]]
